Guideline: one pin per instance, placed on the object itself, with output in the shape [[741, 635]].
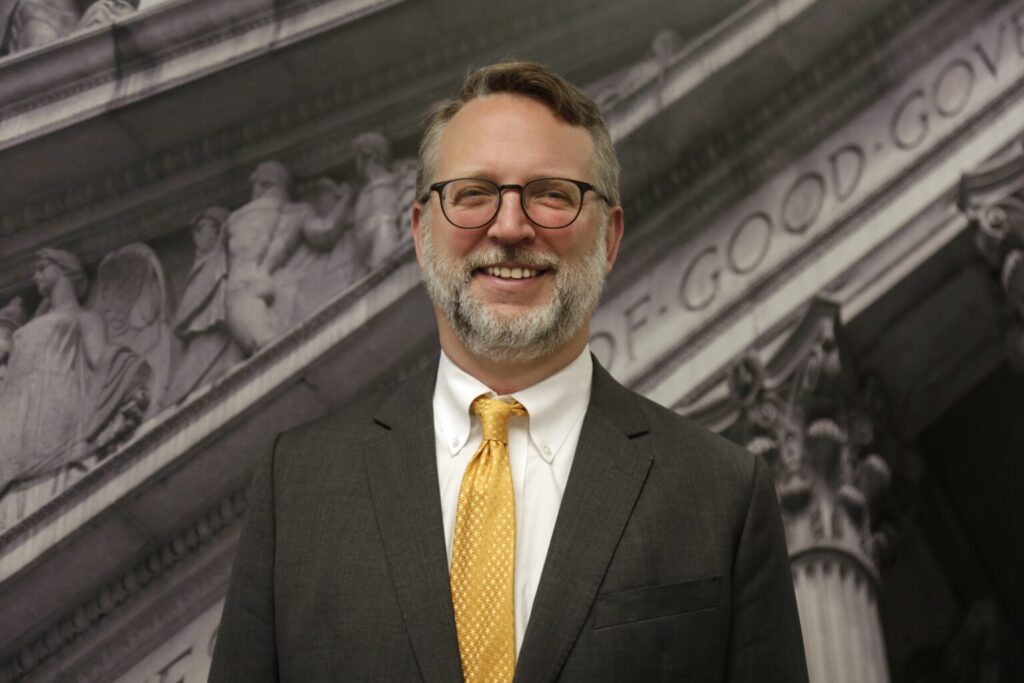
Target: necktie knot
[[494, 414]]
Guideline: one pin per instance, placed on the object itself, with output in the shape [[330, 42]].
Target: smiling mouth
[[511, 273]]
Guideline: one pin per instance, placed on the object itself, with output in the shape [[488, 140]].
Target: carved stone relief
[[79, 374], [26, 24], [201, 319], [12, 316], [98, 358]]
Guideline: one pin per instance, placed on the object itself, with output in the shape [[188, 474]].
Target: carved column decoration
[[992, 198], [797, 408]]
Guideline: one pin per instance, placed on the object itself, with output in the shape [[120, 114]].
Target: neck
[[509, 377], [63, 295]]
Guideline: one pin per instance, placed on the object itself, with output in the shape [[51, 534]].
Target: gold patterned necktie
[[484, 551]]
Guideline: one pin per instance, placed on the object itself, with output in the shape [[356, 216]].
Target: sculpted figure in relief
[[323, 273], [33, 23], [201, 319], [377, 221], [269, 242], [105, 12], [12, 316], [72, 385]]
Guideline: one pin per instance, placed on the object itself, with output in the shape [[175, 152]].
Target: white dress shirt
[[541, 451]]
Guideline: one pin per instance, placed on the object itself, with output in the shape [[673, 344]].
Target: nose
[[511, 225]]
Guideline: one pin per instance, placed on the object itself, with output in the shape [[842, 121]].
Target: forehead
[[513, 138]]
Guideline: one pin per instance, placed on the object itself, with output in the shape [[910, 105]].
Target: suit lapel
[[402, 473], [607, 474]]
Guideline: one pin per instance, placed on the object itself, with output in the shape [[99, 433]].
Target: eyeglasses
[[471, 203]]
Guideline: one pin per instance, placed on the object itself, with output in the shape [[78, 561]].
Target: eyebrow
[[487, 175]]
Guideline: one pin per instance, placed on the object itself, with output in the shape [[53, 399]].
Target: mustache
[[520, 255]]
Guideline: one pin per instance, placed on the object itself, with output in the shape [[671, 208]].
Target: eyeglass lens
[[548, 202]]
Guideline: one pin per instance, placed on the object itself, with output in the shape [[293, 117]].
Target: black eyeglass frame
[[583, 187]]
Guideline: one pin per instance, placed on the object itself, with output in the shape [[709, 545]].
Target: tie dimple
[[483, 551], [494, 415]]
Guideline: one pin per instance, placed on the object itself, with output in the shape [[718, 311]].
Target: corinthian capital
[[992, 199]]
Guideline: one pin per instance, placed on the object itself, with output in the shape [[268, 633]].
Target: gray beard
[[514, 338]]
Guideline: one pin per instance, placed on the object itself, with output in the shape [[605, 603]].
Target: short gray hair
[[532, 80]]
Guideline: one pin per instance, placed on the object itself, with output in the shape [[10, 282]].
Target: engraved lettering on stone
[[701, 277], [749, 243], [802, 203], [636, 318], [696, 296], [952, 88]]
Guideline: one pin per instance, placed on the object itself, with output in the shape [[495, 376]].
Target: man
[[514, 511]]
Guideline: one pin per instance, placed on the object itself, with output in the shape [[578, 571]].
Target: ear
[[417, 223], [613, 236]]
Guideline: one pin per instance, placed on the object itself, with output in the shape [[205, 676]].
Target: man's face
[[471, 275]]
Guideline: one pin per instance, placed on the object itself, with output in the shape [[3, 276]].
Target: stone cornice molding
[[311, 133], [992, 181], [762, 141], [215, 531], [150, 38], [700, 61], [669, 375]]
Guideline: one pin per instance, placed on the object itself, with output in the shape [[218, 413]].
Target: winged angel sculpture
[[85, 370]]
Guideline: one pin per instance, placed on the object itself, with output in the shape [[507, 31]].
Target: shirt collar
[[555, 404]]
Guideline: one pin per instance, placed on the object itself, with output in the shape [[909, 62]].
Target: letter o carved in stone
[[750, 242], [952, 88], [802, 204]]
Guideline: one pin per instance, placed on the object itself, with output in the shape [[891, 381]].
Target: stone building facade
[[204, 240]]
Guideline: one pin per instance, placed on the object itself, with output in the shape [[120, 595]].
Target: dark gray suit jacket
[[667, 561]]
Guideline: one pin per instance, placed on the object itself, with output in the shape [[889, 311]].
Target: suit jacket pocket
[[638, 604]]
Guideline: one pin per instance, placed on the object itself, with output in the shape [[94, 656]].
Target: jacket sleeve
[[766, 643], [246, 648]]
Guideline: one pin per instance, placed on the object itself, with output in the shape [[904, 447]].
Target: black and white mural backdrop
[[204, 240]]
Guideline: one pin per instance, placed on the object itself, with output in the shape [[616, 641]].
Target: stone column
[[796, 407]]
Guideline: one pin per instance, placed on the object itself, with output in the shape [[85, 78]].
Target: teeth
[[511, 273]]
